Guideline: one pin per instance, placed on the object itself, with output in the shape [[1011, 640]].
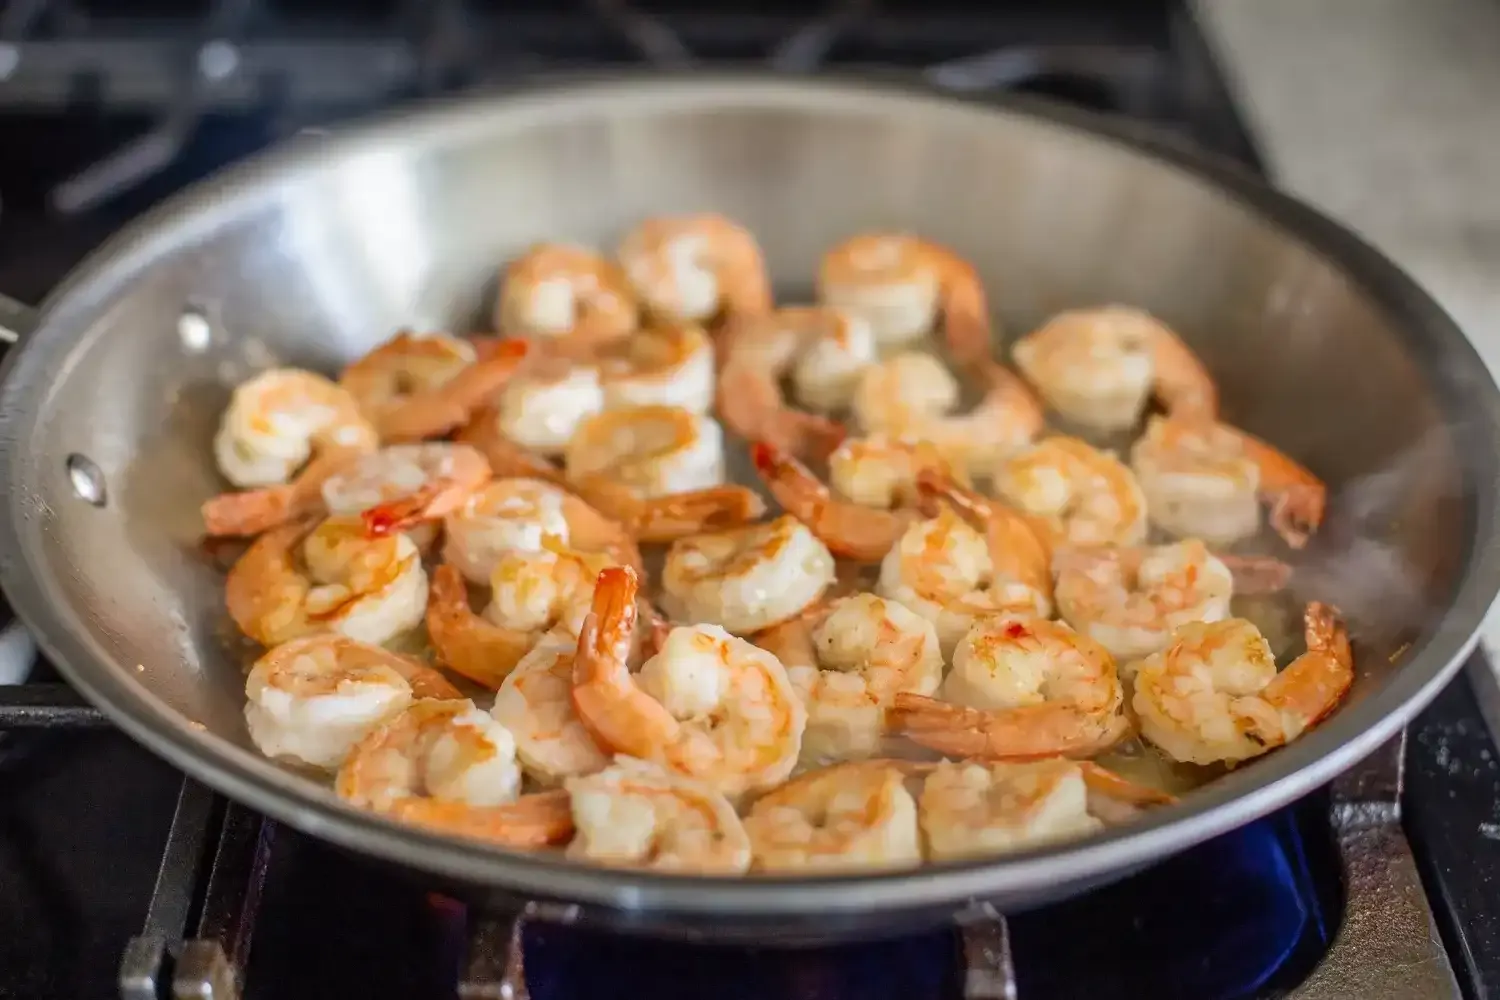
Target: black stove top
[[118, 876]]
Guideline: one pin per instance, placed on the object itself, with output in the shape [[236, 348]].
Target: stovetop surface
[[85, 815]]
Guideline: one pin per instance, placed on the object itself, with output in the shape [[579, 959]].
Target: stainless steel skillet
[[313, 253]]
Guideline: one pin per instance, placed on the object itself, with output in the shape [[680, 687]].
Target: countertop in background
[[1385, 114]]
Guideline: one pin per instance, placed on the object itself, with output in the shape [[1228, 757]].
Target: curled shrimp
[[847, 660], [508, 515], [561, 293], [448, 766], [848, 529], [1203, 479], [970, 810], [508, 459], [900, 283], [420, 387], [695, 267], [1020, 688], [1129, 599], [881, 470], [401, 486], [279, 422], [292, 583], [1086, 496], [309, 701], [654, 450], [746, 579], [974, 559], [541, 408], [1007, 418], [636, 814], [669, 365], [707, 706], [1213, 694], [827, 349], [1097, 368], [903, 392], [535, 702], [850, 816]]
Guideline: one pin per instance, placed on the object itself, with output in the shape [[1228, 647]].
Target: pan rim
[[1239, 798]]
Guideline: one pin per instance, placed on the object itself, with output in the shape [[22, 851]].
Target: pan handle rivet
[[86, 479], [194, 329]]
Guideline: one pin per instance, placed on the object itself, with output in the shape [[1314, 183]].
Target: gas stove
[[120, 877]]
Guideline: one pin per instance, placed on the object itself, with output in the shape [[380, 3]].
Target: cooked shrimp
[[1097, 367], [275, 424], [371, 589], [398, 487], [1129, 600], [309, 701], [654, 450], [847, 660], [973, 810], [535, 703], [695, 267], [277, 420], [541, 408], [900, 283], [670, 365], [466, 643], [509, 515], [707, 706], [846, 528], [1203, 479], [1213, 694], [1086, 496], [1007, 419], [508, 459], [749, 578], [903, 392], [849, 816], [448, 766], [827, 350], [565, 293], [415, 387], [1020, 688], [638, 815], [881, 471]]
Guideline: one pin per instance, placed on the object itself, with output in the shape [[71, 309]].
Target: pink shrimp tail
[[397, 515], [248, 513]]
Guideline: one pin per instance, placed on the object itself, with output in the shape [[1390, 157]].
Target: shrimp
[[1085, 496], [900, 283], [669, 365], [827, 350], [399, 487], [420, 387], [1097, 367], [1007, 419], [707, 706], [448, 766], [654, 450], [508, 515], [746, 579], [850, 816], [371, 589], [635, 814], [309, 701], [975, 559], [535, 702], [1213, 694], [1020, 688], [541, 408], [903, 392], [277, 423], [847, 660], [565, 293], [971, 810], [846, 528], [508, 459], [881, 471], [695, 267], [1130, 600], [1203, 479]]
